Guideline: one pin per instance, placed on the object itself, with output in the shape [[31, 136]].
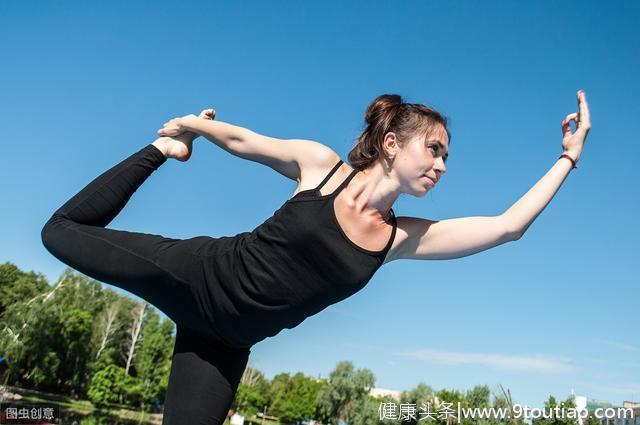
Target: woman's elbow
[[511, 231]]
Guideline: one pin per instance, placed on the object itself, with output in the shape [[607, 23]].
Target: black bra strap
[[345, 182], [331, 173], [393, 230]]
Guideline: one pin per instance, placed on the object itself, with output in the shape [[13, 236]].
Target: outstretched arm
[[524, 212], [226, 136], [289, 157], [460, 237]]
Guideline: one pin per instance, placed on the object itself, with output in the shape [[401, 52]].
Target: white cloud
[[621, 345], [497, 361]]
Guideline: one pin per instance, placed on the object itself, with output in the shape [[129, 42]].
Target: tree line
[[81, 339]]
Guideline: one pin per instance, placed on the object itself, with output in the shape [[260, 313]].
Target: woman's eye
[[435, 149]]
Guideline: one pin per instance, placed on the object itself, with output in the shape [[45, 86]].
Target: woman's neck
[[372, 192]]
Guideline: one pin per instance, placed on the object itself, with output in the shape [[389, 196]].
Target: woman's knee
[[52, 234]]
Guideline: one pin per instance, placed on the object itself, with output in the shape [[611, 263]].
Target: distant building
[[237, 419], [381, 392], [627, 414]]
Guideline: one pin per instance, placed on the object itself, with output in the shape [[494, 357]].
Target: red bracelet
[[573, 161]]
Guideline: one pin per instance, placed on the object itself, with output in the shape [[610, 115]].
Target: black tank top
[[292, 266]]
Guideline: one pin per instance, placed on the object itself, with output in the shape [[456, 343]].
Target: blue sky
[[85, 85]]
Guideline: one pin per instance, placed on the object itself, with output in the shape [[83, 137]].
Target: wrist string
[[573, 161]]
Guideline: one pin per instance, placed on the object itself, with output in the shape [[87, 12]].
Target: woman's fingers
[[173, 127], [584, 119], [566, 126], [169, 130], [208, 114]]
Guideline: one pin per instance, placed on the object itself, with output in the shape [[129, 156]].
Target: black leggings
[[205, 372]]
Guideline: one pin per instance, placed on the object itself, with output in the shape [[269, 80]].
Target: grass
[[82, 407], [85, 407]]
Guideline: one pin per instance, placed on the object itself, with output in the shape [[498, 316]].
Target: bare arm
[[460, 237], [524, 212], [225, 135], [422, 239], [286, 156]]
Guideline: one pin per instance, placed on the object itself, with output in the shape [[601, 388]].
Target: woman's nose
[[440, 166]]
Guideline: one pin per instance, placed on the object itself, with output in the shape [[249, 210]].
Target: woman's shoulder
[[317, 166], [317, 157]]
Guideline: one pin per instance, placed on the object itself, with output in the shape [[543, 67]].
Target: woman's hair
[[386, 113]]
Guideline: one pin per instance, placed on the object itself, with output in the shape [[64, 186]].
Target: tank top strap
[[394, 227], [345, 182], [328, 176]]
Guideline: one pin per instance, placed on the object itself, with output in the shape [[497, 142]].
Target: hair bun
[[380, 105]]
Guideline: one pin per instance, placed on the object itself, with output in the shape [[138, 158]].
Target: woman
[[324, 244]]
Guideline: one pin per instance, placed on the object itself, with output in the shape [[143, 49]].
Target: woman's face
[[420, 162]]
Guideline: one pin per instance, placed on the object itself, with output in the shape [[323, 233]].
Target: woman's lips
[[433, 182]]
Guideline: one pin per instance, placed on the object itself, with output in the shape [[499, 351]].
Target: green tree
[[552, 407], [17, 286], [377, 407], [249, 400], [133, 391], [76, 333], [591, 420], [296, 396], [53, 342], [345, 395], [155, 349], [479, 396], [253, 392], [106, 385], [418, 396]]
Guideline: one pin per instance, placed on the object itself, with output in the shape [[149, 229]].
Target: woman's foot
[[177, 147], [180, 147]]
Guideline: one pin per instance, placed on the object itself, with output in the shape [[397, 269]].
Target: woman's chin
[[423, 192]]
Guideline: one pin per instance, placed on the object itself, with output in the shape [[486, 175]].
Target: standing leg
[[203, 381]]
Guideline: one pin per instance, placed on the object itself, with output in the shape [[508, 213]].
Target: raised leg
[[152, 267]]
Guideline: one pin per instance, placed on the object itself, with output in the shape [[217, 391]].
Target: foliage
[[55, 339], [346, 395], [294, 398], [250, 400], [106, 385], [550, 405], [73, 338]]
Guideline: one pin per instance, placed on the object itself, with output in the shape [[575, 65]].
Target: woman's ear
[[390, 145]]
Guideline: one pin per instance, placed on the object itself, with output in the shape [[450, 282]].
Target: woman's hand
[[177, 126], [176, 142], [572, 143]]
